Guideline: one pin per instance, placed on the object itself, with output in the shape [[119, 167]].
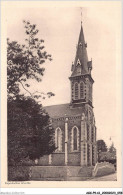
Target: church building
[[74, 122]]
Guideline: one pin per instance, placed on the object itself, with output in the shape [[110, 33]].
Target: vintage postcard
[[61, 94]]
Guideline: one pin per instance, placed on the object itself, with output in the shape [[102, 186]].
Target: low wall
[[53, 173], [59, 173], [38, 172], [77, 171], [103, 168]]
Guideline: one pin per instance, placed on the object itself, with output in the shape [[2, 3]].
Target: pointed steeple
[[81, 80], [80, 66]]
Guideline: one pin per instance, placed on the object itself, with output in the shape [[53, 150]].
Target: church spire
[[81, 65], [81, 80]]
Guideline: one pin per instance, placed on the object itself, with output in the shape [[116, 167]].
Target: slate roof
[[62, 110], [81, 54]]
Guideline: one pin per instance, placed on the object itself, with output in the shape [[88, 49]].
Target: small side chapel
[[74, 122]]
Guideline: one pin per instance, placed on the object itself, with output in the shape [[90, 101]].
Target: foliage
[[18, 173], [29, 132], [101, 146], [112, 149], [25, 62], [107, 156]]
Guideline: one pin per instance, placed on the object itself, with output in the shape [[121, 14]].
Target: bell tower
[[81, 79]]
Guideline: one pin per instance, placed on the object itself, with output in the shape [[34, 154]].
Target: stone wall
[[60, 173], [51, 173], [74, 158], [103, 168], [58, 159], [43, 172]]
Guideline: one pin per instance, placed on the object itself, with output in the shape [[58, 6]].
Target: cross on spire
[[81, 15]]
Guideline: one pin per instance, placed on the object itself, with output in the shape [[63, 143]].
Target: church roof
[[81, 58], [62, 110]]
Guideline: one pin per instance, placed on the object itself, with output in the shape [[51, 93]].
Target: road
[[111, 177]]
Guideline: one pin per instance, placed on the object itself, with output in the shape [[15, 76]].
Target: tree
[[112, 149], [101, 146], [29, 132], [25, 62]]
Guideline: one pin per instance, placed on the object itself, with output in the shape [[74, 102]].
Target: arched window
[[75, 139], [58, 139], [76, 91], [81, 90]]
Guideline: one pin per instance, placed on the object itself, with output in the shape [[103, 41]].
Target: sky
[[59, 26]]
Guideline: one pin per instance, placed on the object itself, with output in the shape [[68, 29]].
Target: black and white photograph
[[62, 85]]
